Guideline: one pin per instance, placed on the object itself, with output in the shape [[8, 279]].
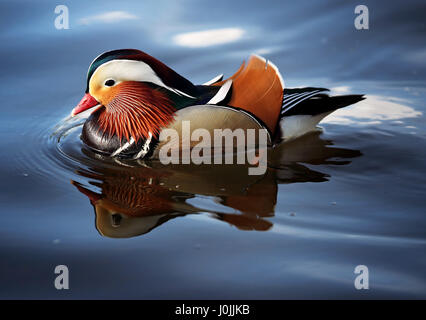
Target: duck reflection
[[135, 200]]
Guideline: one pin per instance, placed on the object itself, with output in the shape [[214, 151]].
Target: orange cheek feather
[[134, 109]]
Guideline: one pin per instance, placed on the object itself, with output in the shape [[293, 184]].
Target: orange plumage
[[135, 110], [258, 89]]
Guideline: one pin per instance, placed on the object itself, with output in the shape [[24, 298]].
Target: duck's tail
[[304, 108]]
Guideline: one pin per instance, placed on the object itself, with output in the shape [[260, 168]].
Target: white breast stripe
[[297, 102], [145, 148], [123, 147], [221, 94], [214, 80]]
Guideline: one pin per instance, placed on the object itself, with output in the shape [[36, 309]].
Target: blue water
[[350, 194]]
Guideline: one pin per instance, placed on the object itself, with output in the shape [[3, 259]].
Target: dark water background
[[353, 194]]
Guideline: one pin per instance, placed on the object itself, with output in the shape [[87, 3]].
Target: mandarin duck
[[135, 97], [132, 202]]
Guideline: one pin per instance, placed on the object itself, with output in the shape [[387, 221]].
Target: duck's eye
[[109, 83], [116, 219]]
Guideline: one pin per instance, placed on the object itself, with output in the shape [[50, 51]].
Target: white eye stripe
[[131, 70]]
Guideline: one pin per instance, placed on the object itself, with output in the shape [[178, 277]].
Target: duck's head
[[135, 92]]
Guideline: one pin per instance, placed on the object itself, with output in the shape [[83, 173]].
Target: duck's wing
[[257, 88], [210, 118], [304, 108], [313, 101]]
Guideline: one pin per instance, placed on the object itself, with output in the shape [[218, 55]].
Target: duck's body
[[139, 97]]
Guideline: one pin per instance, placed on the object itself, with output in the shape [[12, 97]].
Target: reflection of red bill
[[86, 103]]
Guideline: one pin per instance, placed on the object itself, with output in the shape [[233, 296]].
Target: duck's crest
[[166, 74]]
